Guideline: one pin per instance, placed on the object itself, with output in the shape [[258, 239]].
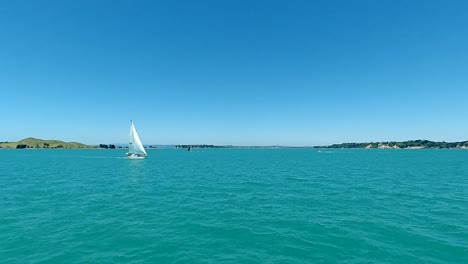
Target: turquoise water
[[234, 206]]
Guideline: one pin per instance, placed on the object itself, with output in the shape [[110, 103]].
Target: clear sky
[[234, 72]]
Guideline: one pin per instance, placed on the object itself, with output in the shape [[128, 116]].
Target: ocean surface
[[234, 206]]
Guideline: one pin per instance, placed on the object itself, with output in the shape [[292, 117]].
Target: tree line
[[110, 146], [403, 144]]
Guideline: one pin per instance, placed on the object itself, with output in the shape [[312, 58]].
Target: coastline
[[36, 143], [410, 144]]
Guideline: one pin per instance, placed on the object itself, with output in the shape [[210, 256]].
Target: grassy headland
[[42, 143]]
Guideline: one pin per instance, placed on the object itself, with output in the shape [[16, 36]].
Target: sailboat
[[135, 148]]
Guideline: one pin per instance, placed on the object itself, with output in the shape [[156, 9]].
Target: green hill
[[42, 143]]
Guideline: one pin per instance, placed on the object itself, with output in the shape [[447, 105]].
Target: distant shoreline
[[35, 143], [410, 144]]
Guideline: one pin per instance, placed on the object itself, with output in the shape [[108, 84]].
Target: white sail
[[134, 143]]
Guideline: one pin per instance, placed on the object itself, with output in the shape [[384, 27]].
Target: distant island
[[29, 143], [411, 144], [231, 146], [200, 146]]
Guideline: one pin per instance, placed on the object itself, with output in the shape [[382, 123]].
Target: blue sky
[[234, 72]]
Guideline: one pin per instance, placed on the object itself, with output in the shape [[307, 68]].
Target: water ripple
[[237, 206]]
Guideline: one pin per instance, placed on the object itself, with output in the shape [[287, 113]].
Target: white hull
[[134, 156]]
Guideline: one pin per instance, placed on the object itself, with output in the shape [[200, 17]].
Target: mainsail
[[134, 142]]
